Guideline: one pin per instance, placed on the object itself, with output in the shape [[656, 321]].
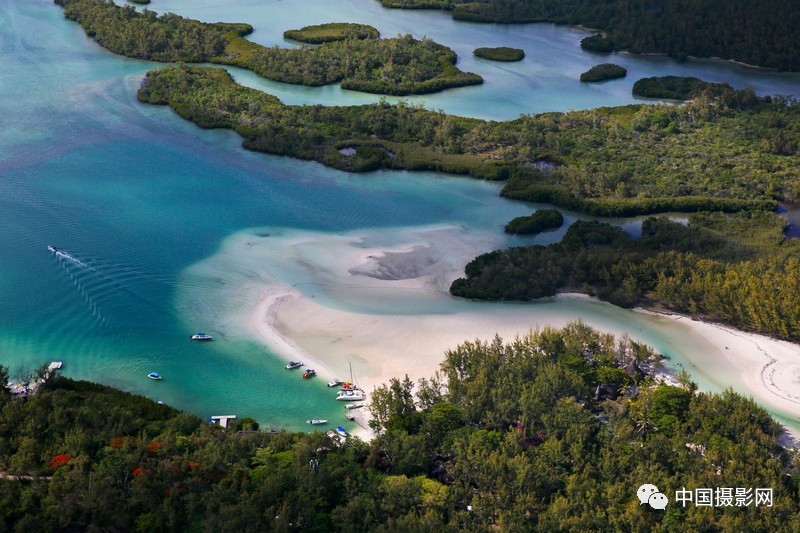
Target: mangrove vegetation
[[397, 66], [500, 53], [332, 31], [541, 220], [602, 72]]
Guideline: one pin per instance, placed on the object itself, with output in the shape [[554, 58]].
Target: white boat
[[317, 421], [341, 431], [351, 395], [201, 337], [293, 364], [335, 383], [52, 248], [154, 375], [354, 405]]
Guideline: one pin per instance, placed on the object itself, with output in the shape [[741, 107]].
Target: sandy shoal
[[385, 310]]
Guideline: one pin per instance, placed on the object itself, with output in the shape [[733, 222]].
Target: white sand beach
[[381, 304]]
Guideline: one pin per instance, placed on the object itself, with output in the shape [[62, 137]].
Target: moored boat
[[335, 382], [342, 432], [309, 373], [350, 395], [317, 421], [354, 406], [154, 375], [293, 364], [201, 337]]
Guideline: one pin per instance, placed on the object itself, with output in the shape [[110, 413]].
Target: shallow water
[[138, 199]]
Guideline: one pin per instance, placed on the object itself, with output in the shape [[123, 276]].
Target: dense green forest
[[604, 71], [398, 66], [332, 31], [675, 87], [725, 151], [541, 220], [553, 431], [737, 269], [757, 33], [500, 53]]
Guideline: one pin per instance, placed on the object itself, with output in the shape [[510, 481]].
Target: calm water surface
[[135, 196]]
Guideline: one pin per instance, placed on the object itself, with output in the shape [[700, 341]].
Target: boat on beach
[[154, 375], [317, 421], [293, 364], [342, 432], [201, 337], [335, 382], [354, 406], [309, 373]]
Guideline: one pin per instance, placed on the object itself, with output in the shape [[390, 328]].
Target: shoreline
[[767, 368], [381, 304]]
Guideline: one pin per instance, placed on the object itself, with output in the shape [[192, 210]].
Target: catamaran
[[351, 395]]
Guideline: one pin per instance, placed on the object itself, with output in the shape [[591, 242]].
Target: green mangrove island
[[597, 43], [552, 431], [725, 151], [541, 220], [500, 53], [397, 66], [761, 33], [332, 31], [602, 72]]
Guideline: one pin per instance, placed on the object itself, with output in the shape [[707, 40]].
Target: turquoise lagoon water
[[134, 197]]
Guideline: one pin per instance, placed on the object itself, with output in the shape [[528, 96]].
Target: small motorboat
[[293, 364], [201, 337], [317, 421], [342, 432], [354, 406], [52, 248], [309, 373], [335, 383], [154, 375]]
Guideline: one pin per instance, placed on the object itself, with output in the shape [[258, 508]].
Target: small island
[[541, 220], [398, 66], [332, 31], [603, 72], [598, 44], [500, 53]]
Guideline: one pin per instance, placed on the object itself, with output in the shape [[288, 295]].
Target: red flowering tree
[[59, 460]]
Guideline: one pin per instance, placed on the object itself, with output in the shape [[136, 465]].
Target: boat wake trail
[[108, 292], [68, 257]]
